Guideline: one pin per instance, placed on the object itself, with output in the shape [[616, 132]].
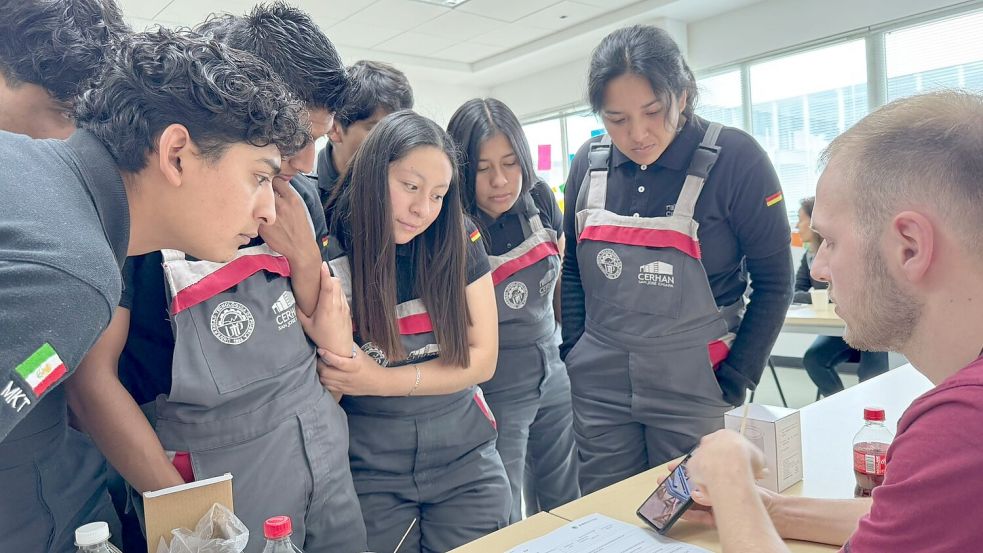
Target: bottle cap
[[277, 527], [874, 414], [93, 533]]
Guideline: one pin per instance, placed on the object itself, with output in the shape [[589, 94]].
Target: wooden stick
[[400, 544], [747, 406]]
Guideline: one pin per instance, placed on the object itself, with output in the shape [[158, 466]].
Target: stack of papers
[[598, 533]]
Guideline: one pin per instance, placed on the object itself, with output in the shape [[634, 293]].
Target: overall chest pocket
[[636, 279], [244, 335]]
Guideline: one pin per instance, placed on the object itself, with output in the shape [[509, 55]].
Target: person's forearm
[[122, 432], [742, 520], [305, 278], [830, 521], [438, 378]]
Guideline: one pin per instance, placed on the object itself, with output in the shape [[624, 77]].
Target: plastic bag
[[219, 531]]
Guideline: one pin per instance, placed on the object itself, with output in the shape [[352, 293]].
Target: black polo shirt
[[145, 363], [327, 175], [738, 231], [503, 234]]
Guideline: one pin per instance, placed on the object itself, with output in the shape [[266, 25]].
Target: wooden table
[[529, 529], [828, 427]]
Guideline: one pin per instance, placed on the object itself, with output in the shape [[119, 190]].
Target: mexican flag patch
[[42, 369]]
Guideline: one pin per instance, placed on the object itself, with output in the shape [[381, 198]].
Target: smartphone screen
[[669, 501]]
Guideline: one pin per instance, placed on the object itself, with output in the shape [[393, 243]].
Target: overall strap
[[699, 169], [529, 220], [594, 188]]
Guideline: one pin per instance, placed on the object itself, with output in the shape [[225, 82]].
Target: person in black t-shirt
[[378, 89], [422, 439], [522, 228], [667, 218]]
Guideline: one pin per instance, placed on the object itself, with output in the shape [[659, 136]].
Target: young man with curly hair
[[178, 144], [221, 398]]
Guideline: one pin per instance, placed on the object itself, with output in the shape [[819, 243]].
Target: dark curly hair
[[294, 46], [59, 45], [221, 95], [374, 85]]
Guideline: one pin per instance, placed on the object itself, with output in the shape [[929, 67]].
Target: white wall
[[438, 101], [565, 85], [776, 24]]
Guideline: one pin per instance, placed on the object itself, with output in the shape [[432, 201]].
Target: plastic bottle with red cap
[[277, 532], [870, 452]]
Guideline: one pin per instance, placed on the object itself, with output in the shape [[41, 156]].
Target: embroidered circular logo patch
[[376, 353], [609, 263], [232, 323], [516, 294]]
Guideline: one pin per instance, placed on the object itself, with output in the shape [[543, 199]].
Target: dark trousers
[[827, 352]]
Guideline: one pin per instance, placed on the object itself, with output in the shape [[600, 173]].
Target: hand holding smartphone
[[669, 501]]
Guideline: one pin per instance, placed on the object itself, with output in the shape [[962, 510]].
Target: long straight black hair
[[473, 123], [364, 206]]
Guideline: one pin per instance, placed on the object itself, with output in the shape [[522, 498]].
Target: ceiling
[[478, 42]]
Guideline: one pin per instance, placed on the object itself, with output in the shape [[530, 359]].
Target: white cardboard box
[[778, 433]]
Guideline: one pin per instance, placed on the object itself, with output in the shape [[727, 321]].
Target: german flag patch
[[773, 199], [475, 236], [324, 241]]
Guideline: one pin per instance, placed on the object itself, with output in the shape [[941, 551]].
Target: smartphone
[[669, 501]]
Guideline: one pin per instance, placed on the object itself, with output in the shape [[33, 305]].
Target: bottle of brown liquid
[[870, 452]]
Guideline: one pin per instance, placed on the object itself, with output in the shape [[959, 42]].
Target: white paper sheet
[[600, 534]]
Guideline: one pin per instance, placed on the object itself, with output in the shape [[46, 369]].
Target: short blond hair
[[921, 150]]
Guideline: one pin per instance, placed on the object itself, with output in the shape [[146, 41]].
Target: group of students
[[379, 342]]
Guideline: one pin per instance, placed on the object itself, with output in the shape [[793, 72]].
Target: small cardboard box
[[778, 433], [183, 506]]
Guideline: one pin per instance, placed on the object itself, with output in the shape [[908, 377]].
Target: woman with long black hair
[[422, 438], [668, 216], [521, 226]]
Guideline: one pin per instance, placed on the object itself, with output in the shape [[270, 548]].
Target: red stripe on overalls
[[226, 277], [479, 398], [634, 236], [719, 350], [415, 324], [528, 259]]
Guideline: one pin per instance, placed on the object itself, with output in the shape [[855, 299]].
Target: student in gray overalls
[[422, 438], [667, 217], [245, 399], [522, 230]]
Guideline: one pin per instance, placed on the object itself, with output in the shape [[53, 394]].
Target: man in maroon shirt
[[900, 205]]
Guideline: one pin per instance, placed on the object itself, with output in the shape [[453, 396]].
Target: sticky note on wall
[[544, 161]]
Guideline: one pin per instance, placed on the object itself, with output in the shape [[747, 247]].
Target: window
[[799, 103], [546, 147], [941, 54], [721, 99]]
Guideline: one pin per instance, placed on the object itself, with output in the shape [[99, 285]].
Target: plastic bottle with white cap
[[94, 538]]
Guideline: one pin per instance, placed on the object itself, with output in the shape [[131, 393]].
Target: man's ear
[[173, 149], [336, 134], [910, 244]]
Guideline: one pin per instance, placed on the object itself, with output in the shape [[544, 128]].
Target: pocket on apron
[[268, 343], [683, 370], [651, 281]]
